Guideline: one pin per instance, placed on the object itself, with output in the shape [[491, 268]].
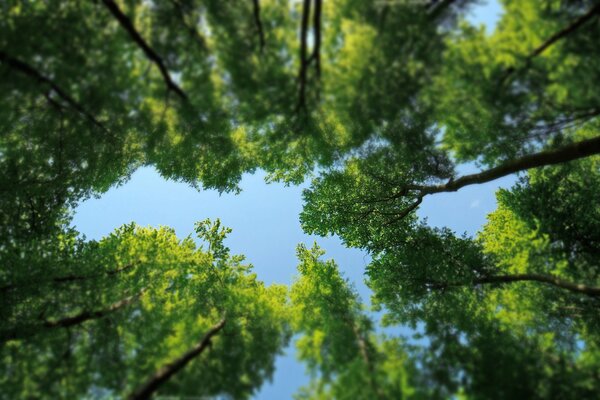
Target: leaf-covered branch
[[305, 59], [26, 69], [148, 388], [68, 278], [435, 8], [578, 288], [152, 55], [195, 35], [259, 25], [316, 55], [303, 55], [563, 33], [73, 320], [566, 153]]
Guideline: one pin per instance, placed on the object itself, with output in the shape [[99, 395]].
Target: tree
[[338, 344], [138, 312]]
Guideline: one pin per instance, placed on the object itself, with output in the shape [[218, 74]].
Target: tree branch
[[570, 152], [406, 211], [30, 71], [259, 25], [303, 51], [435, 7], [147, 389], [316, 55], [73, 320], [574, 26], [68, 278], [148, 51], [192, 31], [578, 288], [84, 316]]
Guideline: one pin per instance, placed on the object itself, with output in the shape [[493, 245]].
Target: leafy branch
[[148, 388], [563, 33], [152, 55], [26, 69], [592, 291]]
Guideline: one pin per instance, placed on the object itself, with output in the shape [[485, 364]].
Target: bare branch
[[30, 71], [148, 388], [127, 24]]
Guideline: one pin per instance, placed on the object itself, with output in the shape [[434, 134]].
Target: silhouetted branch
[[303, 51], [572, 27], [435, 8], [70, 321], [68, 278], [316, 55], [150, 53], [259, 25], [192, 30], [406, 211], [89, 315], [570, 152], [579, 288], [148, 388], [30, 71]]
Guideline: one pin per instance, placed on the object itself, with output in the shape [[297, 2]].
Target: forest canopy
[[377, 104]]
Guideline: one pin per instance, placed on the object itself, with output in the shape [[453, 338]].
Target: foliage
[[378, 102], [179, 291]]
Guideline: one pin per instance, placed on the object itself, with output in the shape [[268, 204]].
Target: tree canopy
[[378, 104]]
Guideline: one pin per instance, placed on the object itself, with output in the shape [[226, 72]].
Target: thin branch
[[192, 31], [148, 388], [570, 152], [127, 24], [406, 211], [571, 28], [26, 69], [578, 288], [259, 25], [303, 51]]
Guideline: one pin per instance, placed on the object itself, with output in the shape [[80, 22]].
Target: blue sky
[[265, 224]]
